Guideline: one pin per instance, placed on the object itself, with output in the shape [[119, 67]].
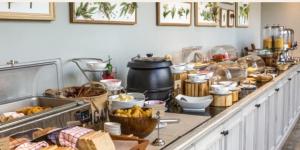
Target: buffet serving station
[[215, 101]]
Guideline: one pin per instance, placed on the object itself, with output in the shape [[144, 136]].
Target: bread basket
[[138, 126]]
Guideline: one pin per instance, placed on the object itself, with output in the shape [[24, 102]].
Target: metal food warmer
[[22, 85]]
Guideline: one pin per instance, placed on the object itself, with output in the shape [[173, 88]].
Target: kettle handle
[[137, 56]]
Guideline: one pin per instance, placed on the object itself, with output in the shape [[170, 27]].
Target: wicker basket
[[140, 127], [92, 92]]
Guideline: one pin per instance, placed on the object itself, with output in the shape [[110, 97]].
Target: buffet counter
[[266, 116]]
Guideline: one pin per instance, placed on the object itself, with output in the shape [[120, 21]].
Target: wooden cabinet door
[[285, 106], [234, 129], [261, 127], [291, 100], [212, 141], [249, 115], [271, 121], [298, 90], [293, 87], [279, 104]]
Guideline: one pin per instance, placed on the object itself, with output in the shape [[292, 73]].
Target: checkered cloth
[[33, 146], [69, 137], [13, 143]]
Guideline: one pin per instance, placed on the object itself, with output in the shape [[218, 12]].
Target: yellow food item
[[251, 69], [135, 112], [125, 98], [268, 43], [31, 110], [279, 43]]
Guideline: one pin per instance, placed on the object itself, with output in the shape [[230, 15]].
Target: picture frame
[[223, 17], [206, 14], [174, 13], [120, 13], [43, 11], [231, 18], [228, 3], [242, 12]]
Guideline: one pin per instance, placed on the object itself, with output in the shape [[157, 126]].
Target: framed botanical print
[[230, 18], [223, 17], [27, 11], [206, 14], [103, 12], [242, 11], [174, 13]]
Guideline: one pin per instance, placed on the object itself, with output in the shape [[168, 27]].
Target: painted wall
[[34, 40], [286, 14]]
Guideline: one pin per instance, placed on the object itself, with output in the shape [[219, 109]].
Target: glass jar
[[267, 37], [267, 56], [277, 36], [288, 35]]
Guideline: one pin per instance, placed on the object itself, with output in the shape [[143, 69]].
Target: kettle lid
[[149, 62]]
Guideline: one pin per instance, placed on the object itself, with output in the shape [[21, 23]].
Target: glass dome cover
[[237, 72], [253, 63], [223, 53], [220, 73]]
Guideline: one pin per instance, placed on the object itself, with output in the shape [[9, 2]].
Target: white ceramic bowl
[[177, 68], [139, 99], [219, 89], [112, 83], [194, 102], [197, 77]]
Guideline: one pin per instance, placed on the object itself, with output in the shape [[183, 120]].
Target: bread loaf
[[95, 140]]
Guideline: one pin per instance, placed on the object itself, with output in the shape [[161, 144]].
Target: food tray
[[62, 111], [23, 85]]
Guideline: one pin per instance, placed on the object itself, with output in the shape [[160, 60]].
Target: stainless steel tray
[[59, 107]]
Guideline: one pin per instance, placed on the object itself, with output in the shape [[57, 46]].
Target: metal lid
[[30, 79], [149, 62]]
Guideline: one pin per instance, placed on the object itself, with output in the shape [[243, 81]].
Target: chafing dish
[[23, 85]]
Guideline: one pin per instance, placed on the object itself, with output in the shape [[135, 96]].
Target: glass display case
[[254, 64]]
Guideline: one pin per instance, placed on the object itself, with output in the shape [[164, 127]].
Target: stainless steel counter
[[217, 118]]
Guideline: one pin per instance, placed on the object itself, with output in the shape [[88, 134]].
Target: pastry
[[31, 110], [41, 132]]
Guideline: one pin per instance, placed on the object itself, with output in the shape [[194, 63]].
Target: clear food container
[[254, 64]]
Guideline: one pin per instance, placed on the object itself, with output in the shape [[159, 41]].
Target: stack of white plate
[[113, 128]]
